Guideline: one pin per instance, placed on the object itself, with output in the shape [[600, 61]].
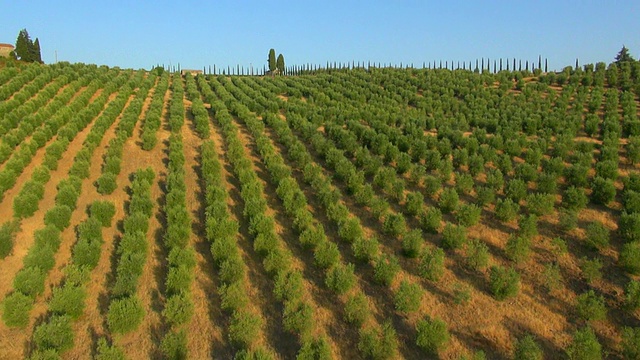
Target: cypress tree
[[280, 63], [546, 68], [35, 51], [272, 60], [539, 61], [23, 46]]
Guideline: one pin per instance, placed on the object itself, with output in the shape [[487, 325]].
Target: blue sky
[[195, 34]]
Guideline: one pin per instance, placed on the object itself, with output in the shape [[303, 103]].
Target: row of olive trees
[[152, 119]]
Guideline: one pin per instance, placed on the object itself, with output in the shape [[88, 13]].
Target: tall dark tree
[[37, 56], [272, 60], [623, 56], [23, 44], [280, 63]]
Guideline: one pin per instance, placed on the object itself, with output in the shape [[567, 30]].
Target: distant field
[[382, 213]]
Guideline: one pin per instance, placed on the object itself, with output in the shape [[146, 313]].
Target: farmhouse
[[192, 72], [6, 49]]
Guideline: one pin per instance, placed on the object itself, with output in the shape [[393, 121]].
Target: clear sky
[[195, 34]]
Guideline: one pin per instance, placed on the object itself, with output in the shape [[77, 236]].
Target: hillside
[[382, 213]]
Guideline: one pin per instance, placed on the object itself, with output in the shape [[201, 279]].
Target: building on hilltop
[[192, 72], [6, 49]]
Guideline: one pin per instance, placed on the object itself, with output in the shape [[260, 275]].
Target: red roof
[[6, 45]]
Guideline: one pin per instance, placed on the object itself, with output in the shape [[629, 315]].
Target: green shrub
[[574, 198], [430, 220], [568, 219], [356, 309], [106, 352], [518, 248], [317, 349], [468, 214], [412, 243], [632, 295], [76, 275], [15, 310], [551, 277], [631, 343], [385, 269], [597, 235], [8, 232], [415, 201], [591, 307], [432, 264], [603, 191], [506, 210], [297, 318], [179, 278], [30, 281], [629, 257], [526, 348], [464, 183], [477, 255], [585, 346], [448, 200], [461, 294], [629, 227], [125, 315], [102, 211], [106, 183], [326, 254], [58, 216], [365, 249], [516, 190], [174, 345], [378, 343], [40, 256], [67, 195], [408, 296], [547, 183], [394, 225], [244, 329], [504, 283], [453, 236], [350, 230], [528, 226], [136, 222], [68, 300], [540, 204], [25, 205], [46, 354], [341, 278], [56, 333], [485, 195], [433, 335], [178, 309], [233, 297]]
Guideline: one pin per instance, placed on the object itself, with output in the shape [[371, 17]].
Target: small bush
[[317, 349], [385, 269], [551, 277], [568, 219], [394, 225], [518, 248], [68, 300], [430, 220], [58, 216], [485, 195], [106, 183], [453, 236], [448, 200], [527, 349], [125, 315], [15, 310], [597, 235], [378, 343], [433, 335], [591, 269], [30, 281], [461, 294], [540, 204], [585, 346], [590, 306], [297, 318], [244, 329], [629, 226], [25, 205], [468, 215], [341, 278], [506, 210], [477, 255], [632, 295], [407, 297], [528, 226], [56, 333], [102, 211], [365, 249], [432, 264], [289, 286], [67, 195], [326, 254], [356, 309], [629, 257], [233, 297], [41, 257], [604, 191], [178, 309], [516, 190], [574, 198], [106, 352], [8, 232], [504, 283], [179, 278], [412, 243], [415, 201], [631, 343], [174, 345]]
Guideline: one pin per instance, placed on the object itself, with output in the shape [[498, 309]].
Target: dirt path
[[208, 320], [143, 343]]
